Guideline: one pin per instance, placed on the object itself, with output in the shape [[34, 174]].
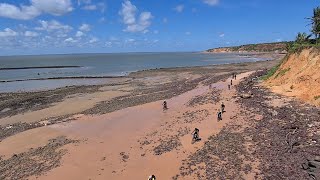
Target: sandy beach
[[119, 130]]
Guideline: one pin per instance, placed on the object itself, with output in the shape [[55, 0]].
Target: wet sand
[[111, 136], [119, 131]]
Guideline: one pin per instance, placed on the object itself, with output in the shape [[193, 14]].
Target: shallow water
[[98, 65]]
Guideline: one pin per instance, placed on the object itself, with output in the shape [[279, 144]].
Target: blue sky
[[103, 26]]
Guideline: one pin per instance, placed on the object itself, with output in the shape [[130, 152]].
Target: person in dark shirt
[[195, 135], [165, 105], [219, 116], [222, 107]]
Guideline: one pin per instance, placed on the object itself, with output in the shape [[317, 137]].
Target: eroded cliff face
[[299, 76]]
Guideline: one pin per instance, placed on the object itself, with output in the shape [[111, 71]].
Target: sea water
[[97, 65]]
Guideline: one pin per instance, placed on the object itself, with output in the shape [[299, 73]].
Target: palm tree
[[302, 38], [315, 22]]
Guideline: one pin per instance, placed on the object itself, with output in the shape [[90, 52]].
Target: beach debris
[[246, 95], [9, 127]]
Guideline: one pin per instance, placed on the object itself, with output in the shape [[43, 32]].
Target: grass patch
[[282, 72], [271, 72], [297, 47], [317, 97]]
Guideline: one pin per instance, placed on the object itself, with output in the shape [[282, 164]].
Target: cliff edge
[[298, 76]]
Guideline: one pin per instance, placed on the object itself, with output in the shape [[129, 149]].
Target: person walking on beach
[[222, 107], [231, 82], [195, 135], [229, 86], [235, 76], [165, 106], [152, 177], [219, 116]]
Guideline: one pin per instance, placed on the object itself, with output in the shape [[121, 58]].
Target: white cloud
[[93, 40], [36, 8], [70, 40], [90, 7], [108, 44], [79, 34], [128, 13], [53, 25], [85, 27], [54, 7], [179, 8], [211, 2], [155, 32], [221, 35], [130, 40], [31, 34], [7, 32], [23, 12], [84, 2]]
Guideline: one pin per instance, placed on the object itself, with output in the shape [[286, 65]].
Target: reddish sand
[[299, 76], [106, 136]]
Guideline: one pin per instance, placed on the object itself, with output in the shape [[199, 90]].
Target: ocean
[[13, 68]]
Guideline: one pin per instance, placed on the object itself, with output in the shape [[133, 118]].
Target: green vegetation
[[303, 40], [317, 97], [282, 72], [271, 72], [262, 47]]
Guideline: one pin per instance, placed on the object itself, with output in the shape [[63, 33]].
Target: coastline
[[81, 119], [115, 75]]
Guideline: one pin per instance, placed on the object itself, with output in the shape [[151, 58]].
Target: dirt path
[[137, 141]]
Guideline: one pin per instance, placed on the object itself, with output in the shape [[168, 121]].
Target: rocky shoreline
[[282, 142], [35, 162], [286, 137]]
